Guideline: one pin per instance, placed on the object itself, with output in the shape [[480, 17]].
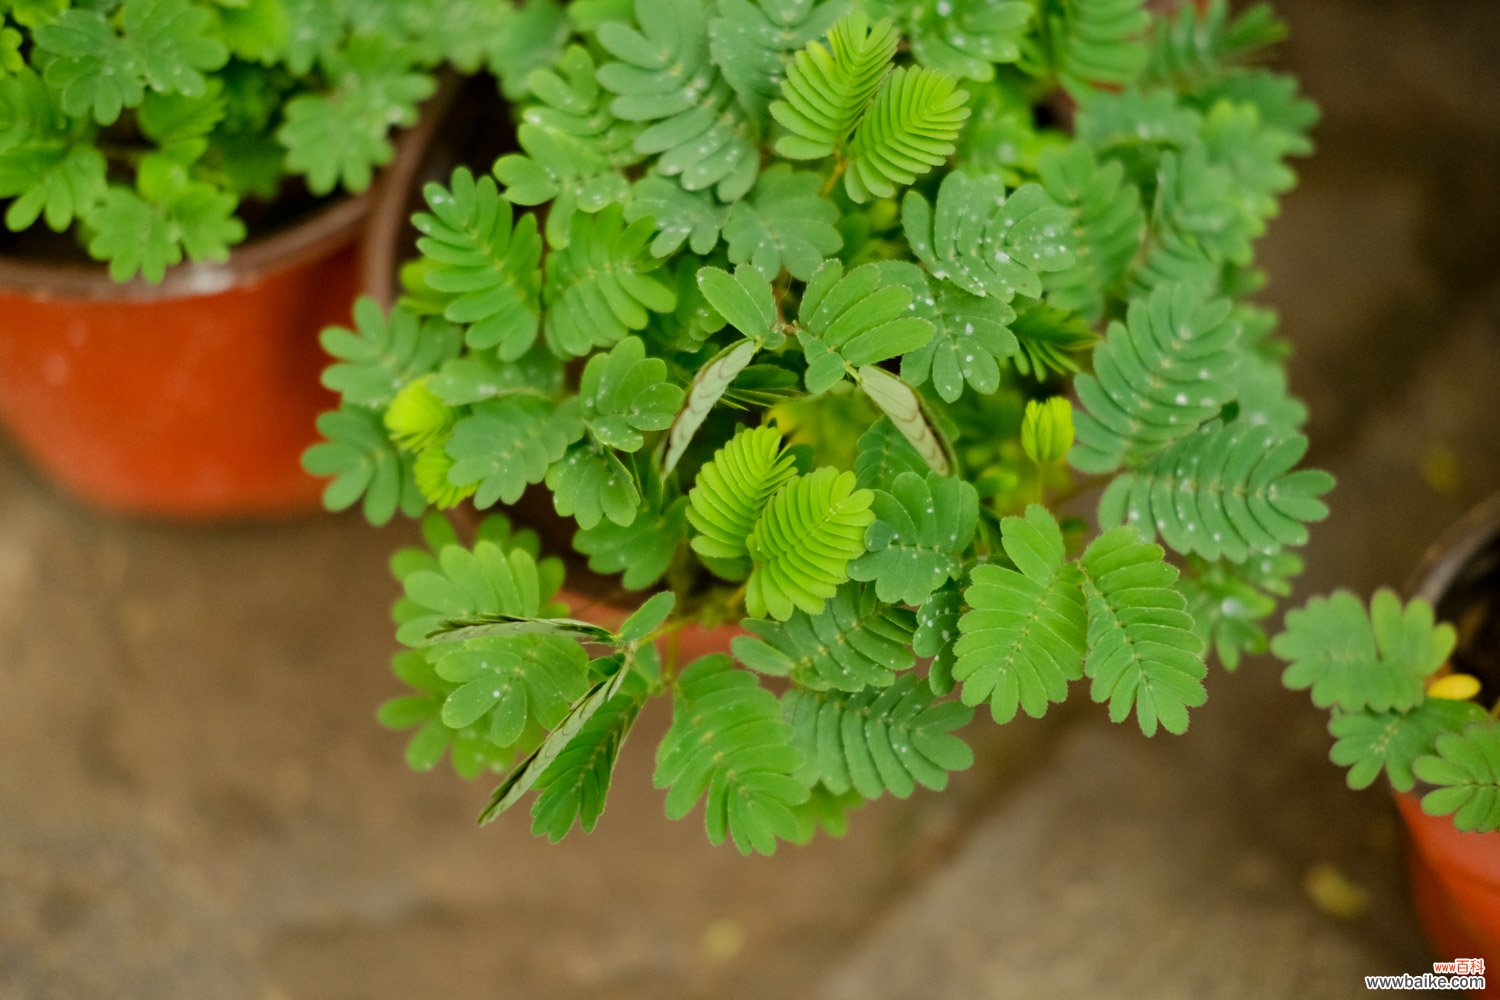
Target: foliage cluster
[[785, 303], [143, 126]]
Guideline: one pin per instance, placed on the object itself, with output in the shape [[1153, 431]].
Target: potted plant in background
[[1415, 698], [777, 312], [203, 153]]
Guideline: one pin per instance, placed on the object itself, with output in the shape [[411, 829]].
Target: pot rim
[[316, 235], [1445, 558]]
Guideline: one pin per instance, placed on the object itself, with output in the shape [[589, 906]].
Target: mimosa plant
[[787, 304]]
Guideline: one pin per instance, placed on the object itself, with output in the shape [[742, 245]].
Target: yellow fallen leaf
[[1454, 687]]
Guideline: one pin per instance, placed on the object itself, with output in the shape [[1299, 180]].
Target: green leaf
[[899, 402], [486, 267], [626, 394], [339, 137], [1093, 41], [382, 354], [574, 785], [912, 125], [601, 287], [574, 148], [801, 545], [1228, 600], [746, 301], [728, 741], [525, 777], [884, 454], [492, 582], [648, 617], [1157, 378], [880, 739], [1203, 42], [985, 241], [643, 552], [971, 336], [362, 463], [512, 681], [664, 76], [1466, 769], [1369, 742], [1109, 223], [709, 386], [1357, 660], [474, 378], [853, 643], [859, 318], [828, 87], [505, 445], [1227, 490], [1023, 638], [590, 483], [922, 528], [1050, 341], [136, 235], [751, 42], [729, 494], [93, 69], [1142, 650], [694, 218], [937, 634], [967, 37], [784, 223]]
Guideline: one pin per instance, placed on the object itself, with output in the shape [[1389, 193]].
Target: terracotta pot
[[192, 398], [1455, 875]]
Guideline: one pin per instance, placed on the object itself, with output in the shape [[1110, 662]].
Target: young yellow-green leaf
[[922, 528], [828, 87], [911, 126], [801, 545], [1047, 430], [730, 492]]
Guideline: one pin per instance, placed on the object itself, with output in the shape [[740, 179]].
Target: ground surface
[[195, 803]]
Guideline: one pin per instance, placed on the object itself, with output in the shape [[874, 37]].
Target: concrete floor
[[196, 803]]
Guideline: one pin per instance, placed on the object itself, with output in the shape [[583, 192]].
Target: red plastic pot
[[1456, 876], [192, 398]]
